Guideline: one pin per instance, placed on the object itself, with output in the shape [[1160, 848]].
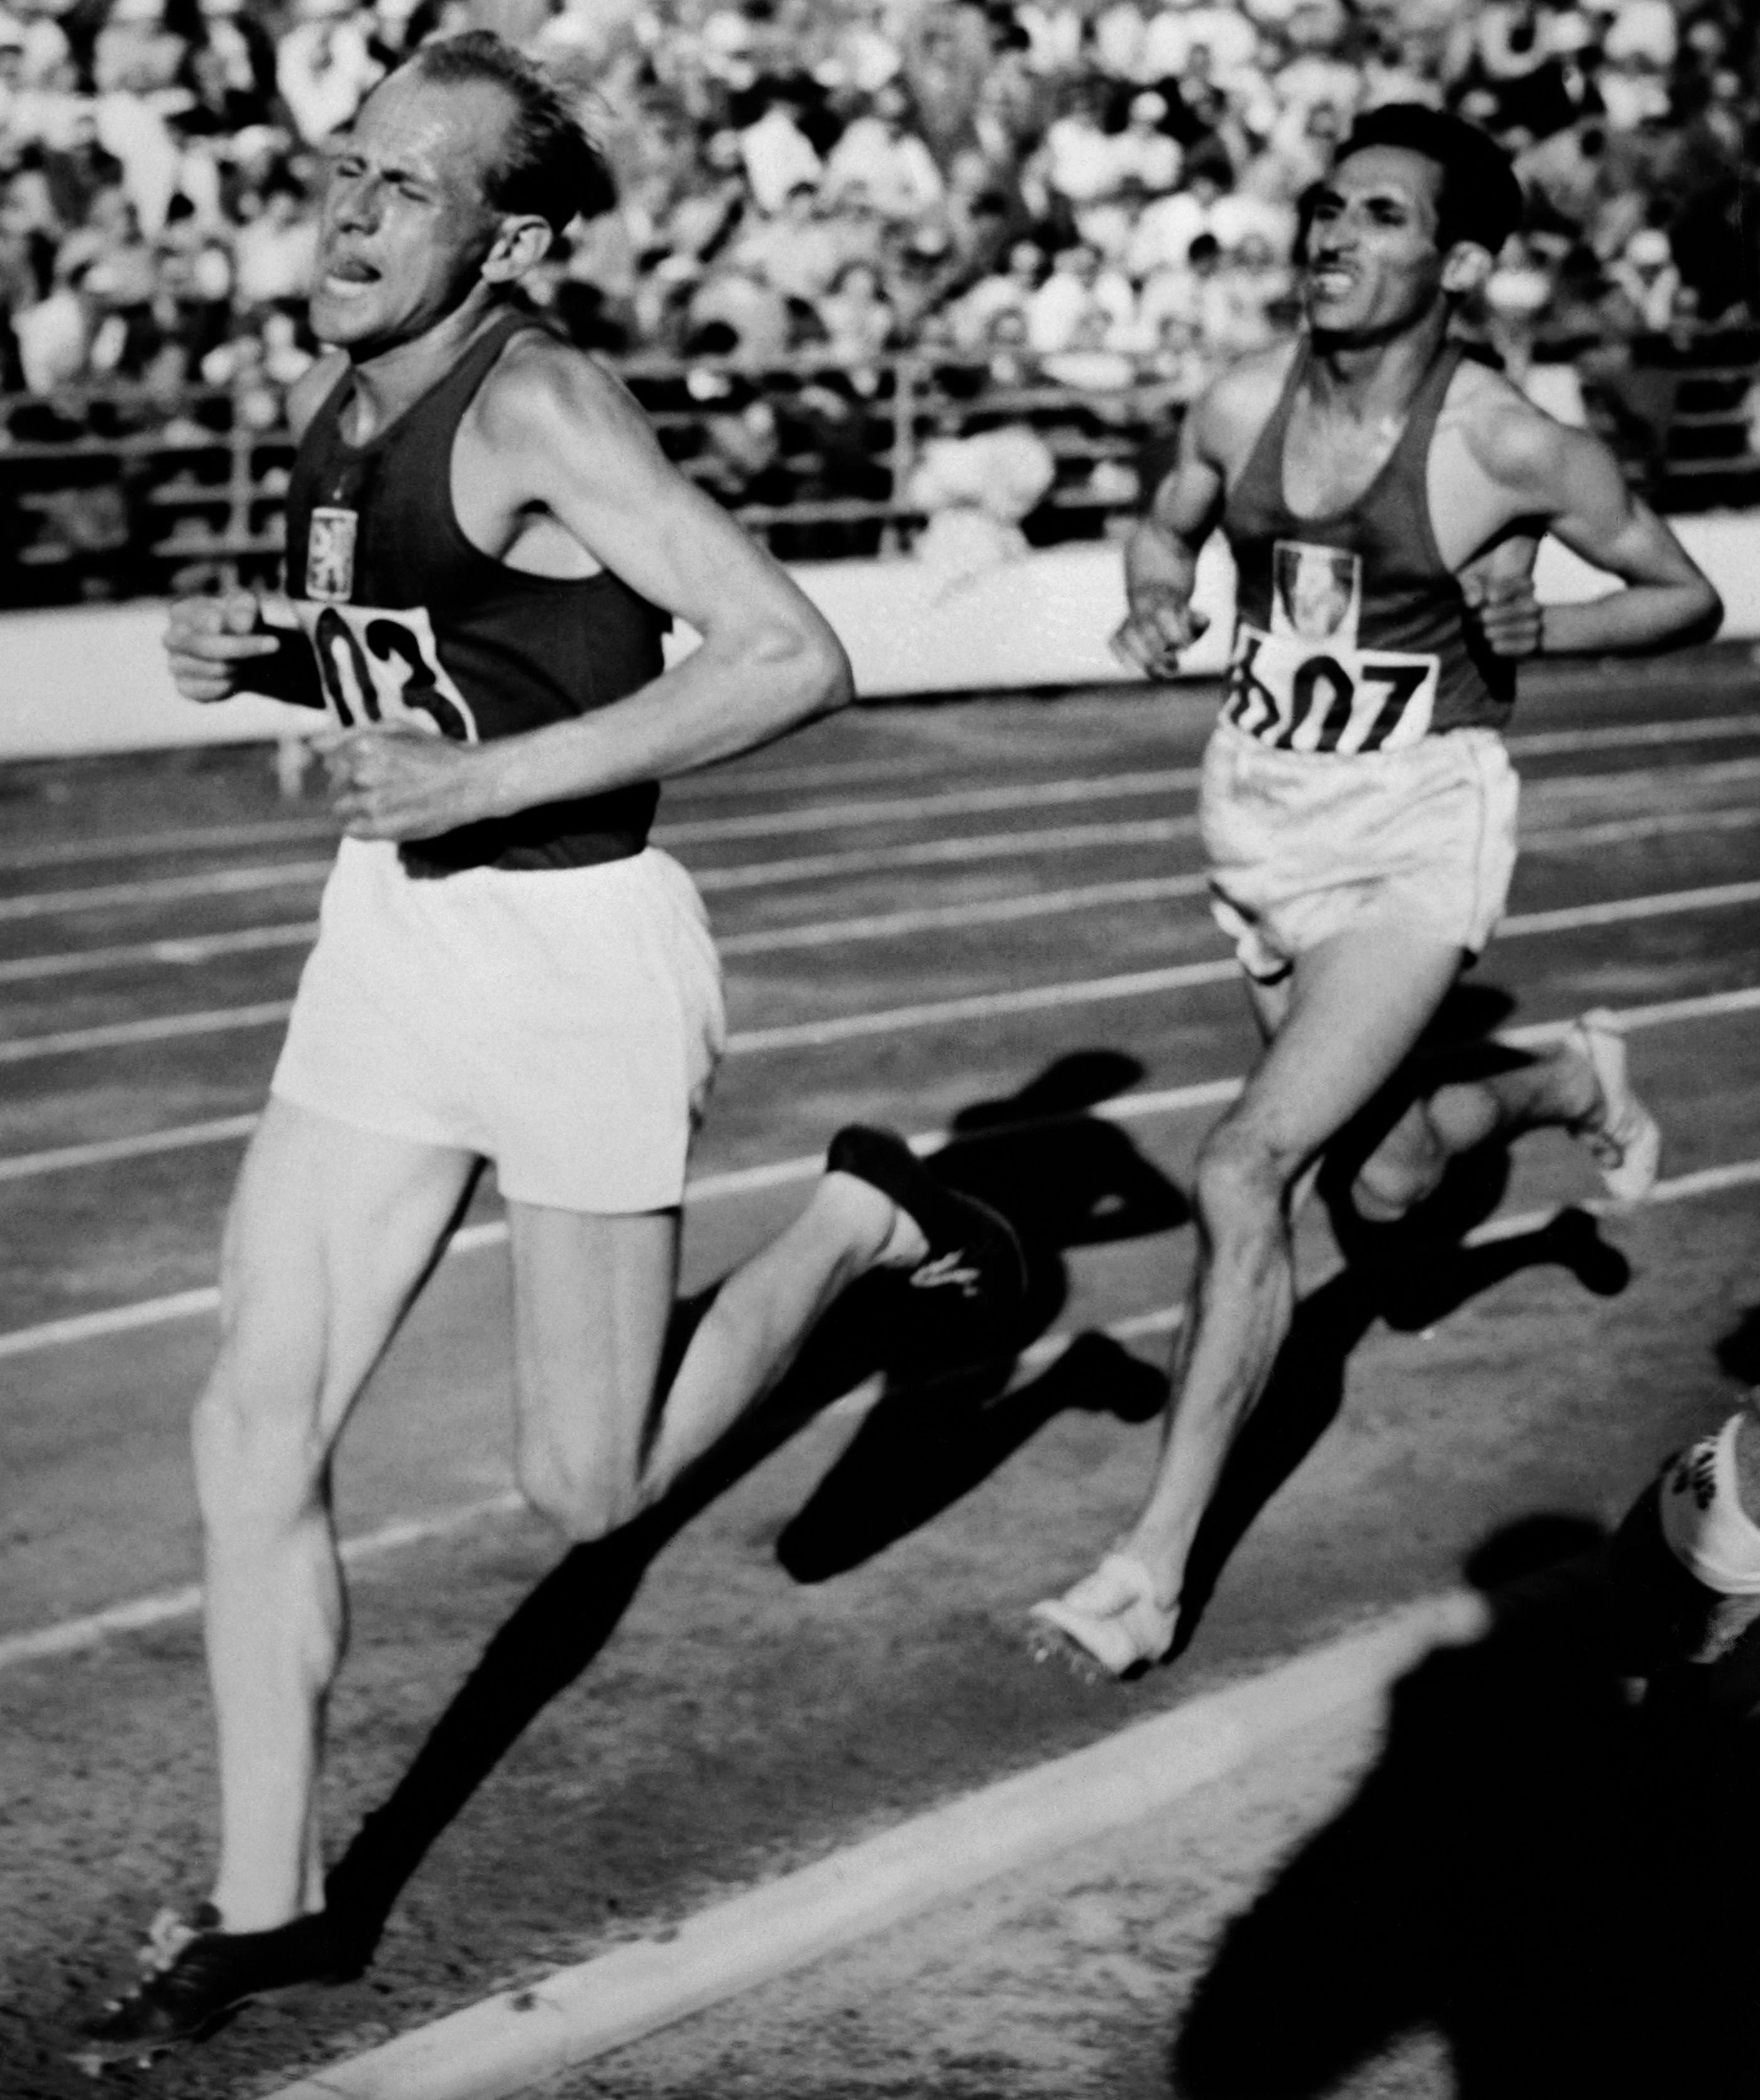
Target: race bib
[[1306, 686], [377, 665]]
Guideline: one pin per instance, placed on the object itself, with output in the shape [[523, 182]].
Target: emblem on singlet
[[330, 555], [1316, 592], [382, 663], [1306, 686]]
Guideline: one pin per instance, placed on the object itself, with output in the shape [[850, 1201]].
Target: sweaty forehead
[[1392, 171], [450, 132]]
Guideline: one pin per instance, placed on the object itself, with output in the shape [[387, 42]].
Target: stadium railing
[[116, 491]]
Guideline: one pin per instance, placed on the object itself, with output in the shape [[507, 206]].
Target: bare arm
[[1161, 555], [1572, 483], [218, 645], [580, 448]]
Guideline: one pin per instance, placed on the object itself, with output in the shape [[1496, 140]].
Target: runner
[[485, 545], [1383, 497]]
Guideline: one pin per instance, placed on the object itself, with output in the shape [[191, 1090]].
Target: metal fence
[[115, 492]]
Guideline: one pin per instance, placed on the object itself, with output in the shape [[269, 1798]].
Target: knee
[[261, 1463], [1244, 1179], [585, 1498]]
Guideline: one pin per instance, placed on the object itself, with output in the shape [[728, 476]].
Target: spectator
[[860, 319], [1644, 276], [1082, 305], [798, 252], [777, 155], [323, 67], [277, 245], [891, 166], [1008, 290]]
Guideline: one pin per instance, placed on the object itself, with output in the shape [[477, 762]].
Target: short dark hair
[[548, 165], [1478, 199]]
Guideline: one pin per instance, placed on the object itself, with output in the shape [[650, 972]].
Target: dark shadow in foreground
[[1558, 1882], [1063, 1177]]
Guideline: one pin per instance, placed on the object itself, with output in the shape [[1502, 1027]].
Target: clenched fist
[[210, 640], [1506, 611], [1161, 628], [395, 781]]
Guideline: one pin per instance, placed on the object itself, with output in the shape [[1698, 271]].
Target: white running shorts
[[566, 1023], [1303, 845]]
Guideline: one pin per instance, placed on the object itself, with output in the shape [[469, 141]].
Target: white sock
[[1707, 1529]]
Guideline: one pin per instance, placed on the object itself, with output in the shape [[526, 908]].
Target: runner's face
[[405, 226], [1374, 266]]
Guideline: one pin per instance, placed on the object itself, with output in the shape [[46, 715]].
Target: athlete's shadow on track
[[1558, 1883], [1064, 1178]]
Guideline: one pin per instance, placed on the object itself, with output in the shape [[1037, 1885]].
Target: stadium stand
[[848, 230]]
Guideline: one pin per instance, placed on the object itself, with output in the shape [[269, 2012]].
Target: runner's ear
[[522, 242]]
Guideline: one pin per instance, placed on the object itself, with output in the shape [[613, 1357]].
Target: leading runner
[[1383, 498], [484, 546]]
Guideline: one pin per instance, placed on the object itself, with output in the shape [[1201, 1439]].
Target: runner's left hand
[[395, 781], [1509, 615]]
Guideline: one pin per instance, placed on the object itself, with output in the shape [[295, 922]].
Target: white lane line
[[521, 2041], [166, 1606], [819, 866], [194, 949], [781, 1173], [1140, 984], [161, 1028], [163, 1606], [962, 802], [128, 846], [1621, 831], [849, 773], [106, 1151], [182, 950], [1617, 736], [164, 890], [1136, 984], [1150, 890], [991, 911]]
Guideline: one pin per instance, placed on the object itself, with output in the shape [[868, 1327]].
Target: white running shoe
[[1111, 1618], [1623, 1136]]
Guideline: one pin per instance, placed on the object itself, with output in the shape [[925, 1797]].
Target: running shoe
[[194, 1977], [1622, 1135], [1110, 1621], [974, 1257]]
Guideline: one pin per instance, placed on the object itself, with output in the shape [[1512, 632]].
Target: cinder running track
[[984, 915]]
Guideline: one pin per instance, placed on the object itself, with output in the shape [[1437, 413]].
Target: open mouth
[[345, 275], [1329, 282]]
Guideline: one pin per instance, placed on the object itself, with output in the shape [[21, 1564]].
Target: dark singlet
[[1350, 631], [410, 622]]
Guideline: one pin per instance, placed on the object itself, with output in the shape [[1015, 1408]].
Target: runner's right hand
[[208, 639], [1160, 629]]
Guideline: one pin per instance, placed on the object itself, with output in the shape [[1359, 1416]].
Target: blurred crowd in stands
[[1069, 187]]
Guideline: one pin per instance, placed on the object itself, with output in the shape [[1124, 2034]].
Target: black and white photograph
[[879, 1093]]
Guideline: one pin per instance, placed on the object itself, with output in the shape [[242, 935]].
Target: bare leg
[[593, 1296], [1357, 1005], [1559, 1090], [331, 1232]]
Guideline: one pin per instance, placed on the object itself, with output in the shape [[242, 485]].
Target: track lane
[[658, 1778]]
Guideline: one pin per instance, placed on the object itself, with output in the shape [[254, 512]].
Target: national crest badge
[[330, 555]]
